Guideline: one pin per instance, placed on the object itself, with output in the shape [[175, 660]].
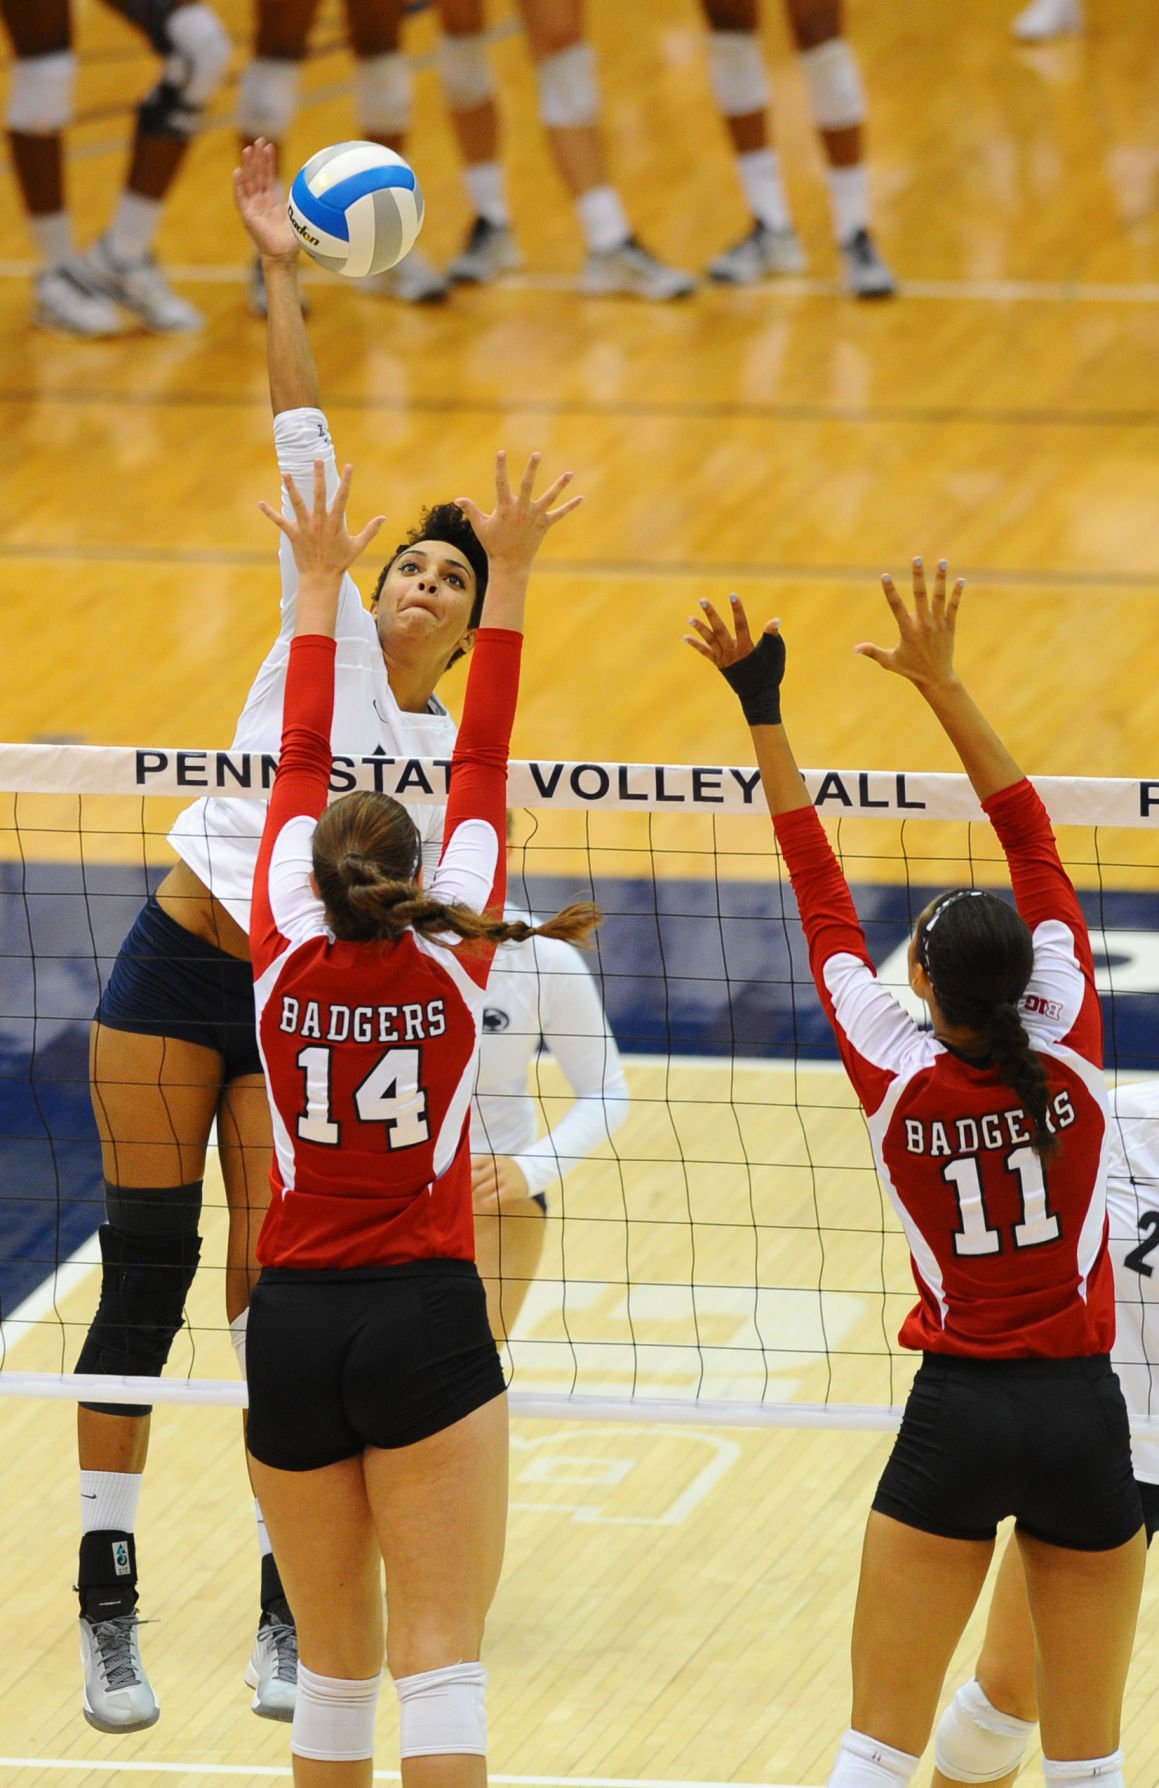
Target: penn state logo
[[494, 1020]]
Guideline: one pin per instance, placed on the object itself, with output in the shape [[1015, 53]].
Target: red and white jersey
[[1009, 1255], [369, 1049], [1133, 1211]]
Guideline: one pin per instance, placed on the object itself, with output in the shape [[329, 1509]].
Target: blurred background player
[[569, 109], [541, 990], [84, 295], [741, 85], [383, 95], [1048, 18], [983, 1734]]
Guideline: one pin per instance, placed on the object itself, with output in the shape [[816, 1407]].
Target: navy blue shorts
[[1047, 1441], [341, 1360], [168, 983]]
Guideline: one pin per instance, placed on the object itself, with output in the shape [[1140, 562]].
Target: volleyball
[[356, 208]]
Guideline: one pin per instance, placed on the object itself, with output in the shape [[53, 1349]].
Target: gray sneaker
[[762, 253], [413, 281], [66, 304], [489, 251], [273, 1669], [140, 286], [118, 1696], [631, 271], [866, 274]]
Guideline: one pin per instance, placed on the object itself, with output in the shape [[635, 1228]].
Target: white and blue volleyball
[[356, 208]]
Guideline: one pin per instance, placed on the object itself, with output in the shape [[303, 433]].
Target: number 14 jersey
[[1009, 1253]]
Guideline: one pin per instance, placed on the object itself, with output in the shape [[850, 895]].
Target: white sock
[[488, 189], [864, 1762], [134, 227], [760, 176], [1091, 1772], [109, 1501], [605, 222], [849, 200], [264, 1546], [53, 237]]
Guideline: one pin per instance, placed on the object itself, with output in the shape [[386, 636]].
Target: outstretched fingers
[[502, 478]]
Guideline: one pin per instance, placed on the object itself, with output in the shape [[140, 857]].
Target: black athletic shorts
[[1044, 1440], [1149, 1497], [168, 983], [368, 1357]]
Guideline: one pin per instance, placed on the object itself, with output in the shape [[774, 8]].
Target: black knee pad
[[149, 1249]]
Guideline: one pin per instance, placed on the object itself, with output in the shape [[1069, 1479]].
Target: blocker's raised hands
[[924, 653], [754, 672], [319, 535], [511, 534]]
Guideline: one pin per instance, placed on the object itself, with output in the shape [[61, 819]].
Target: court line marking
[[380, 1775]]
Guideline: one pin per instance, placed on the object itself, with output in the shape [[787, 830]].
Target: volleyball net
[[729, 1254]]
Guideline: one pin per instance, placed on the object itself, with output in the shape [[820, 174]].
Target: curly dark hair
[[446, 521]]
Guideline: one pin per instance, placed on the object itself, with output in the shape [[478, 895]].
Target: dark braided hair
[[446, 521], [366, 856], [979, 955]]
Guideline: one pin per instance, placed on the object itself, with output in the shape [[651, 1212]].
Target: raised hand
[[259, 202], [754, 672], [512, 533], [924, 653], [319, 535]]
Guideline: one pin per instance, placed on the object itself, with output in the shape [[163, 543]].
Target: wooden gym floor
[[677, 1602]]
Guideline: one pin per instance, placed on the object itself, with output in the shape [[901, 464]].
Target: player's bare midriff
[[187, 900]]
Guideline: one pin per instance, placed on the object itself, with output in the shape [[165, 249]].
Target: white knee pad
[[864, 1762], [736, 69], [466, 71], [444, 1712], [1090, 1772], [975, 1742], [237, 1336], [834, 81], [334, 1717], [200, 53], [41, 94], [568, 95], [268, 98], [383, 91]]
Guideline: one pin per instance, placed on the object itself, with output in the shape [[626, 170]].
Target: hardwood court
[[677, 1603]]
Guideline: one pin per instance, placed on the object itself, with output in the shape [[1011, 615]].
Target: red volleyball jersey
[[369, 1048], [1009, 1253]]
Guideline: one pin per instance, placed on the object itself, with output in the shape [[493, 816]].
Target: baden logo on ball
[[356, 208]]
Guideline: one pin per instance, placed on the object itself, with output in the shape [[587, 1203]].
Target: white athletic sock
[[849, 200], [605, 222], [264, 1546], [488, 190], [53, 237], [109, 1501], [760, 176], [864, 1762], [134, 227], [1090, 1772]]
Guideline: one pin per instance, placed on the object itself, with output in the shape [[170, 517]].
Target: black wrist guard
[[757, 680]]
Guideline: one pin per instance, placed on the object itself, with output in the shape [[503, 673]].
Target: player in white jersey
[[173, 1046], [983, 1734], [540, 991]]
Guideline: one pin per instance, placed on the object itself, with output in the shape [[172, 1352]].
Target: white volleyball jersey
[[1133, 1213], [542, 991], [219, 838]]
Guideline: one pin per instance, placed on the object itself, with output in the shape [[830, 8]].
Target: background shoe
[[273, 1668], [866, 274], [1048, 18], [140, 287], [489, 251], [257, 291], [67, 305], [413, 281], [631, 271], [118, 1696], [762, 253]]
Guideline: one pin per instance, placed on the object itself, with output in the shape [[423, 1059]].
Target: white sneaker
[[141, 287], [1048, 18], [762, 252], [256, 286], [413, 281], [273, 1669], [489, 251], [866, 274], [65, 303], [631, 271], [118, 1696]]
